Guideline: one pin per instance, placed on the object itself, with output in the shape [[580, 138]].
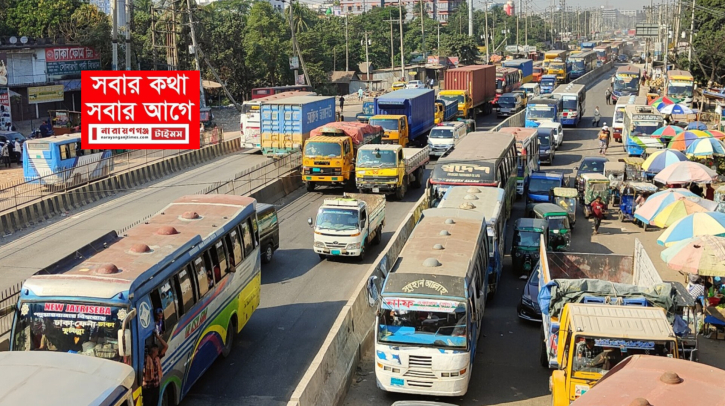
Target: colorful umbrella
[[683, 140], [681, 173], [675, 109], [696, 125], [668, 131], [666, 100], [694, 225], [681, 208], [659, 160], [705, 147], [659, 201], [701, 256], [716, 134]]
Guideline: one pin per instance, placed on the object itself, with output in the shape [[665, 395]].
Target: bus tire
[[167, 397], [229, 342], [310, 186]]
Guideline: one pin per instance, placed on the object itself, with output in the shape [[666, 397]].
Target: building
[[278, 5], [436, 9]]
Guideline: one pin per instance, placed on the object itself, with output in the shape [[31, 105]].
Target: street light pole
[[692, 28], [367, 60], [402, 51]]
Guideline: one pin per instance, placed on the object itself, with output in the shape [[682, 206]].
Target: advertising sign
[[45, 94], [140, 110], [294, 63], [6, 118], [68, 62]]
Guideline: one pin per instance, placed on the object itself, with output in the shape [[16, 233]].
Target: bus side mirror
[[124, 335], [309, 221]]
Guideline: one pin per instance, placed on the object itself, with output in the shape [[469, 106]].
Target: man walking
[[603, 140], [360, 94], [597, 117], [342, 103], [6, 154], [608, 96], [598, 211]]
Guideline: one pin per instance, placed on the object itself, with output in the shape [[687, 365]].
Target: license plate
[[335, 252], [397, 382], [376, 190], [315, 169]]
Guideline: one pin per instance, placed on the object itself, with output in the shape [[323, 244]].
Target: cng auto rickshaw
[[557, 219], [633, 168], [595, 184], [470, 124], [615, 171], [630, 191], [525, 246], [566, 198]]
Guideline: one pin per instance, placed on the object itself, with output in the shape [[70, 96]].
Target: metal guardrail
[[8, 298]]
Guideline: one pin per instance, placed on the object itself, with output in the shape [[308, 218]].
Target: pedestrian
[[6, 154], [696, 189], [597, 117], [152, 372], [45, 129], [360, 94], [431, 83], [19, 152], [608, 96], [709, 192], [603, 140], [342, 103], [598, 211]]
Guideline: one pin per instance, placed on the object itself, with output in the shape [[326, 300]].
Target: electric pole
[[367, 60], [392, 52], [402, 52], [470, 18], [127, 10], [422, 31], [347, 48], [114, 35], [202, 102], [488, 52], [692, 28]]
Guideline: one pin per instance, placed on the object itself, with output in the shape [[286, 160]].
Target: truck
[[368, 110], [526, 66], [390, 169], [405, 115], [680, 85], [286, 124], [588, 46], [472, 87], [329, 154], [446, 110], [549, 56], [347, 225]]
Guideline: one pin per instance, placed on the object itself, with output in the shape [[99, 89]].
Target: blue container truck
[[446, 110], [526, 66], [406, 116], [286, 124], [368, 110]]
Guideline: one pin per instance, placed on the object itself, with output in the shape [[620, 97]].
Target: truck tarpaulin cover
[[356, 131]]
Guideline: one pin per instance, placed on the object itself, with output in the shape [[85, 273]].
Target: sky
[[621, 4]]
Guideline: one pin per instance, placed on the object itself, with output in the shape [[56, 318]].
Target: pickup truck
[[329, 155], [346, 226], [390, 169]]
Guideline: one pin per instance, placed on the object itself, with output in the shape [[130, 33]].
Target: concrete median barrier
[[326, 381]]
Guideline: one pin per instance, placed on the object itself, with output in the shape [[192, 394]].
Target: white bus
[[618, 116], [432, 306], [249, 118], [573, 99]]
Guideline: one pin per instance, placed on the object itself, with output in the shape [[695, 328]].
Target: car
[[546, 144], [268, 230], [528, 308], [558, 132], [590, 164], [636, 59], [622, 58], [415, 84]]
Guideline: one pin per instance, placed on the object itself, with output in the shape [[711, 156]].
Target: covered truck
[[329, 155], [286, 124], [472, 87], [405, 115], [346, 226], [446, 110], [368, 110], [390, 168], [526, 66]]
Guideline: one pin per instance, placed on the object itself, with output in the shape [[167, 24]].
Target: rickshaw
[[595, 184], [720, 198], [557, 219], [629, 192], [566, 198], [633, 168], [525, 245], [615, 171]]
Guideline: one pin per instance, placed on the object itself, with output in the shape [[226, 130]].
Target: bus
[[59, 161], [45, 378], [680, 85], [542, 108], [582, 63], [249, 122], [618, 116], [527, 154], [259, 92], [626, 82], [485, 159], [507, 80], [573, 99], [190, 273], [639, 124], [432, 304], [588, 46], [604, 54], [617, 48]]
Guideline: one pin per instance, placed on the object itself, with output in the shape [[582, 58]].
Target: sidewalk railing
[[8, 298]]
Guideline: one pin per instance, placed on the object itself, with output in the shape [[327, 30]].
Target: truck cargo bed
[[415, 158]]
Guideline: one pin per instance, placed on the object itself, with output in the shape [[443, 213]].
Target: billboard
[[68, 62], [6, 118], [45, 94]]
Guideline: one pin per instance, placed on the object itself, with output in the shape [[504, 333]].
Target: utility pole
[[367, 61], [692, 28], [296, 46], [127, 10], [402, 52], [347, 50], [526, 25], [392, 52], [470, 18], [488, 52], [114, 35], [422, 31], [517, 26], [202, 99]]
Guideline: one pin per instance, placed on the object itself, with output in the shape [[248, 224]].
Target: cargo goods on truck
[[406, 115], [286, 124], [526, 66], [472, 87]]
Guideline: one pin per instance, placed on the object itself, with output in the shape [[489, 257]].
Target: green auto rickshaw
[[557, 219], [595, 184], [566, 198], [526, 241]]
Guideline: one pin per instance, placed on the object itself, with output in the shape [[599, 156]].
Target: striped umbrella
[[683, 140], [682, 173], [694, 225], [675, 109], [658, 201], [716, 134], [701, 256], [704, 147], [668, 131], [696, 125], [666, 100], [659, 160], [681, 208]]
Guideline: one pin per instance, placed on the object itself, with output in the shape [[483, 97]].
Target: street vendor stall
[[64, 121]]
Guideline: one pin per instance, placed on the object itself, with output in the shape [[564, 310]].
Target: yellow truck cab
[[463, 97], [395, 127], [390, 169], [593, 338], [398, 86]]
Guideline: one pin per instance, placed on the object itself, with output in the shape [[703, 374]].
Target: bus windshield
[[89, 329], [541, 112], [539, 185], [619, 115], [578, 64], [570, 102], [451, 98], [323, 149], [629, 83], [388, 124], [644, 128], [337, 219], [602, 54], [428, 326], [369, 158], [441, 133], [682, 90]]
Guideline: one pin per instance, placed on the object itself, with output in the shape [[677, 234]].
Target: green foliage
[[38, 18], [462, 46], [709, 56]]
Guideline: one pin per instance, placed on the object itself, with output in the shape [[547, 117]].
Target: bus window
[[235, 248], [247, 239], [186, 291], [218, 260], [64, 151], [202, 279], [163, 298]]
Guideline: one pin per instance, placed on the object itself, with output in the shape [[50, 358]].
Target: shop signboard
[[45, 94], [68, 62]]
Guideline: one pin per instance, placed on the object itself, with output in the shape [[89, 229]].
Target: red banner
[[70, 53], [140, 109]]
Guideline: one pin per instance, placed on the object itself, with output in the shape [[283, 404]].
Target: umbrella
[[681, 208], [683, 140], [659, 201], [684, 172], [666, 100], [659, 160], [694, 225], [668, 131], [705, 147], [675, 109], [696, 125], [716, 134], [702, 256]]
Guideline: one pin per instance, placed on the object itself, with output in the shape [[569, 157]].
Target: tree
[[89, 27], [462, 46], [708, 44], [39, 18], [267, 45]]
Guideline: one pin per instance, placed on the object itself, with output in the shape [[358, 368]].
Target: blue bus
[[548, 83], [582, 63], [542, 108], [189, 275], [60, 160]]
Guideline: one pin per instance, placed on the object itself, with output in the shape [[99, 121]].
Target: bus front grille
[[419, 384], [420, 362], [416, 373]]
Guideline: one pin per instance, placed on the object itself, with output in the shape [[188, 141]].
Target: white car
[[415, 84], [558, 132]]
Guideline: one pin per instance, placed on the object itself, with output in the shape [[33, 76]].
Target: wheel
[[310, 186], [417, 184], [166, 397], [267, 254], [229, 342], [378, 235], [322, 257], [361, 257], [400, 192], [644, 227]]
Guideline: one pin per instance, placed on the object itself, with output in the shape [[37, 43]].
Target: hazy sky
[[621, 4]]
